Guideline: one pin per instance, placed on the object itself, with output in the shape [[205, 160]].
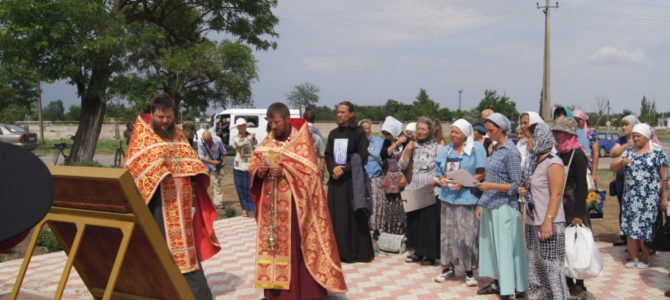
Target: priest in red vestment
[[173, 182], [296, 252]]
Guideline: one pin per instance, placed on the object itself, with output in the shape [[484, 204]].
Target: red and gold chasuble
[[172, 164], [300, 186]]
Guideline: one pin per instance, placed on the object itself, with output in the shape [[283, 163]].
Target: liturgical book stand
[[109, 236]]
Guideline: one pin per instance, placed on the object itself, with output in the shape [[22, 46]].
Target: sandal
[[631, 264], [642, 265]]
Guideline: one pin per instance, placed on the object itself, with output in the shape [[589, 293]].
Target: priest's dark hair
[[162, 101], [278, 108], [353, 122]]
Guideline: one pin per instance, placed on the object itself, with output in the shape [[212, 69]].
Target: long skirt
[[546, 258], [423, 231], [395, 220], [242, 184], [378, 203], [459, 233], [502, 254]]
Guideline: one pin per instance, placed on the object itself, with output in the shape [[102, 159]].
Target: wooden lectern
[[109, 236]]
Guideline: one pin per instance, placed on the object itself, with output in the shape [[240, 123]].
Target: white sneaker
[[446, 275], [471, 281]]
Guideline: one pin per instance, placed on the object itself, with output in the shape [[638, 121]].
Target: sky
[[370, 51]]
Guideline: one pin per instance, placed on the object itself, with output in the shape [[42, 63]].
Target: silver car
[[18, 136]]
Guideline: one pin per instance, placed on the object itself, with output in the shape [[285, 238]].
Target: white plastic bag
[[582, 257]]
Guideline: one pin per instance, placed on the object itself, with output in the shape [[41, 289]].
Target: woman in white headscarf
[[624, 142], [526, 120], [645, 189], [459, 228]]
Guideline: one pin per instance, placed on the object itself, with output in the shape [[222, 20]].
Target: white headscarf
[[642, 129], [533, 118], [466, 128], [392, 126], [411, 127]]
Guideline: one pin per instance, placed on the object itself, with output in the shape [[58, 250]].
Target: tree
[[73, 113], [499, 104], [424, 106], [601, 107], [647, 110], [18, 86], [303, 95], [89, 43], [54, 111]]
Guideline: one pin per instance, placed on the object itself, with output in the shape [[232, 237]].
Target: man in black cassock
[[352, 230]]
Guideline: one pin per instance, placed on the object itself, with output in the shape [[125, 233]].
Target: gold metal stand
[[81, 219]]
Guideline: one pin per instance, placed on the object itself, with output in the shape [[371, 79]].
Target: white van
[[256, 123]]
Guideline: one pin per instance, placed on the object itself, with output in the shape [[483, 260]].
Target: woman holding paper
[[459, 228], [502, 254], [423, 225]]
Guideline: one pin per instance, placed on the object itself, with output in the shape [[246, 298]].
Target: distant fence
[[111, 130]]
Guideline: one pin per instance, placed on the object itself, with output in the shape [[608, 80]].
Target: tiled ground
[[230, 274]]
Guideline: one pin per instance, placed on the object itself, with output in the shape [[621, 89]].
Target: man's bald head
[[207, 137], [486, 113]]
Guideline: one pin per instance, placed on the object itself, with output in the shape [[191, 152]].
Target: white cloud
[[614, 56], [342, 63]]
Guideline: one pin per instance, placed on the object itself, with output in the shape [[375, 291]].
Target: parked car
[[18, 136], [607, 141]]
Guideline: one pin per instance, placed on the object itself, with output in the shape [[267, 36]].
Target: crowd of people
[[509, 223], [481, 206]]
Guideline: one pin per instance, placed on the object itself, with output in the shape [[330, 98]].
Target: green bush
[[48, 240], [230, 212]]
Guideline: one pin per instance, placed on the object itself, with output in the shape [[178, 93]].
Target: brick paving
[[230, 274]]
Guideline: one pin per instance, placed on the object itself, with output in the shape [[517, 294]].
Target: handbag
[[591, 185], [582, 256], [661, 232], [393, 243]]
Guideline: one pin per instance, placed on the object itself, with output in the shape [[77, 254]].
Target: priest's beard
[[166, 134]]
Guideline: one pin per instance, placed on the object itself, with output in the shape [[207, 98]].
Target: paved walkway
[[230, 274]]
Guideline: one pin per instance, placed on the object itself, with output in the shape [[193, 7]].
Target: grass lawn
[[105, 146], [663, 135]]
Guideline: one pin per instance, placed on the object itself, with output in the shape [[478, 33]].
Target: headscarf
[[392, 126], [480, 128], [533, 118], [648, 132], [568, 140], [543, 142], [643, 129], [631, 119], [466, 128], [502, 122], [578, 113]]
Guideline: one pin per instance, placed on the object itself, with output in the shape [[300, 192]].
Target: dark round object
[[26, 192]]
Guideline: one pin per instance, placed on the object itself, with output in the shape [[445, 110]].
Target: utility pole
[[39, 111], [546, 78], [459, 98]]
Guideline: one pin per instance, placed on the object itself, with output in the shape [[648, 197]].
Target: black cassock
[[352, 230]]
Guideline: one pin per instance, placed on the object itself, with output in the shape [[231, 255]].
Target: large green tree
[[303, 95], [90, 43], [54, 111], [424, 106], [497, 103]]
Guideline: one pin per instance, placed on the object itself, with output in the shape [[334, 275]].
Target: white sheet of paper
[[463, 177], [419, 198]]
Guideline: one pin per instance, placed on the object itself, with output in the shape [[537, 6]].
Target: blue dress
[[641, 192]]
